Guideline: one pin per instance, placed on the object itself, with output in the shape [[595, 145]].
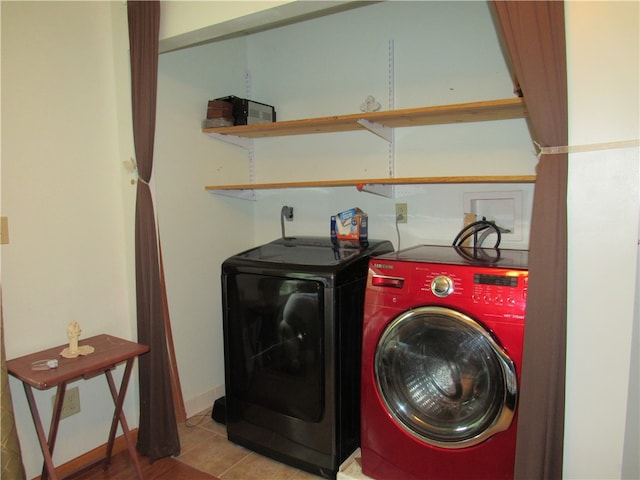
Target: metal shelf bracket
[[243, 142], [383, 132], [378, 189], [240, 194]]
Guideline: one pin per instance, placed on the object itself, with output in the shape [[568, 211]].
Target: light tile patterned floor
[[204, 446]]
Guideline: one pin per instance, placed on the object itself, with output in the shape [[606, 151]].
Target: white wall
[[604, 207], [185, 23], [443, 53], [197, 230], [181, 17], [68, 200]]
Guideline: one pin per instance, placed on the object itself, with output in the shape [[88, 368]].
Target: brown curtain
[[534, 35], [158, 429], [10, 453]]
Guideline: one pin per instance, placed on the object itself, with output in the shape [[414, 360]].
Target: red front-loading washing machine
[[441, 357]]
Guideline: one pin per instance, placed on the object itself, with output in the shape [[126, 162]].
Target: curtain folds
[[10, 452], [158, 430], [534, 34]]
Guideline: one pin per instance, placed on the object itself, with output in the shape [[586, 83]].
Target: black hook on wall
[[286, 212]]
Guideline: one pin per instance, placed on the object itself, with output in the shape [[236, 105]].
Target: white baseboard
[[204, 401]]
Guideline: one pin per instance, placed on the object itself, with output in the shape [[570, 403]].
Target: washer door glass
[[444, 378]]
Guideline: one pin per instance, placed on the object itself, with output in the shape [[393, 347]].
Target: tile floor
[[204, 446]]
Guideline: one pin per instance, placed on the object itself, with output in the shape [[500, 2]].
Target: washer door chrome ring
[[444, 379]]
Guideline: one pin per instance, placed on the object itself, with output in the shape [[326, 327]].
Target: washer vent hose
[[485, 226]]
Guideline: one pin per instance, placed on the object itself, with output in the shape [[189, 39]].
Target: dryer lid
[[313, 251]]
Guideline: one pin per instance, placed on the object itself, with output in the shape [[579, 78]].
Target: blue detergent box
[[349, 225]]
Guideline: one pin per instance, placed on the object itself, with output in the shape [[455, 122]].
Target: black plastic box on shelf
[[248, 112], [219, 109]]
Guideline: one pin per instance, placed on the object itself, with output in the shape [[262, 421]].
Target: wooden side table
[[109, 352]]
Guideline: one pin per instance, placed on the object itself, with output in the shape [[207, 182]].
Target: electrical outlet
[[4, 230], [402, 213], [71, 404]]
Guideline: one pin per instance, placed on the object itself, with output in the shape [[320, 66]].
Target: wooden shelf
[[412, 117], [379, 181], [503, 109]]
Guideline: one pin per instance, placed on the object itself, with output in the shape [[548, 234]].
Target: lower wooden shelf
[[363, 184]]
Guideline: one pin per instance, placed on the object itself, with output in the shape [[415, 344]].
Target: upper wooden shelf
[[411, 117]]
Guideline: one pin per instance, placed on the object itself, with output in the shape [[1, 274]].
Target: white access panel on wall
[[503, 208]]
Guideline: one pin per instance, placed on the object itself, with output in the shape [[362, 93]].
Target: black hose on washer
[[473, 229]]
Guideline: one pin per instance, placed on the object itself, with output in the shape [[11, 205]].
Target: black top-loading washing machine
[[292, 319]]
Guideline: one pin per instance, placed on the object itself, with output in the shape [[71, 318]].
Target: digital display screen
[[500, 280]]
